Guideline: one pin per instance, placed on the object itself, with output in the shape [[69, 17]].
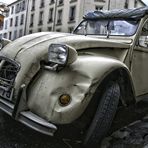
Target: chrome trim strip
[[6, 106], [35, 122]]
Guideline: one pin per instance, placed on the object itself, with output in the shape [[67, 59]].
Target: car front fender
[[79, 80]]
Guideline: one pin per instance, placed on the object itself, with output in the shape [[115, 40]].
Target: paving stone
[[135, 135]]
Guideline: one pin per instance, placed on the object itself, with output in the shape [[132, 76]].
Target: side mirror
[[143, 41], [4, 42], [146, 40]]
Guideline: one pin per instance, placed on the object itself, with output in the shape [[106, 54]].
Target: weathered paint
[[35, 48], [44, 39], [96, 58], [79, 80]]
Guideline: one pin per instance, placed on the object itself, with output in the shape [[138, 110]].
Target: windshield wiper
[[85, 29], [108, 29]]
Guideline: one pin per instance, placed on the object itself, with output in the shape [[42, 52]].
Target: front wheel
[[104, 115]]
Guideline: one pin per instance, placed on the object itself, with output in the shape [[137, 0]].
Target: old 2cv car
[[49, 80]]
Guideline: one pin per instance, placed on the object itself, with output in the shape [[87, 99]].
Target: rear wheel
[[104, 115]]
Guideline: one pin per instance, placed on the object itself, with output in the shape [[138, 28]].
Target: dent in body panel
[[79, 80], [119, 54], [35, 54], [44, 39]]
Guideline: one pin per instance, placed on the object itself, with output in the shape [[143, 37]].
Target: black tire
[[104, 115]]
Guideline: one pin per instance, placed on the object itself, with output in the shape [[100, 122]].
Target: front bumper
[[28, 118], [8, 72]]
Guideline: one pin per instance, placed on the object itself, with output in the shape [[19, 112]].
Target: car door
[[140, 62]]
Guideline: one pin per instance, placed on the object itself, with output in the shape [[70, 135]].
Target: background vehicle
[[53, 79]]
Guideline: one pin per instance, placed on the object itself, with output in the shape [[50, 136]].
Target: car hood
[[29, 51], [39, 43]]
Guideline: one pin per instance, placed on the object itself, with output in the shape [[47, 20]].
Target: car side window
[[143, 39]]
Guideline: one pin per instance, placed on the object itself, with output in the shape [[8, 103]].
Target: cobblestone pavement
[[16, 135], [135, 135], [132, 135]]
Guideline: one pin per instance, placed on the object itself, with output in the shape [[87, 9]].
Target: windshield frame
[[108, 31]]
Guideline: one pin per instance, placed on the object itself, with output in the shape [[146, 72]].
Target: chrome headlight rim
[[59, 48]]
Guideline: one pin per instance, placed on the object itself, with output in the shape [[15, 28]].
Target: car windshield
[[107, 27]]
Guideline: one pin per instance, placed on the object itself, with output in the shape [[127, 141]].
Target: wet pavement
[[134, 135], [132, 122], [16, 135], [132, 125]]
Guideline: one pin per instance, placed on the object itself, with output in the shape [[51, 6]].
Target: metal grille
[[8, 72]]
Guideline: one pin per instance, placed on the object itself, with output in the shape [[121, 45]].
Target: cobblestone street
[[73, 69], [135, 135]]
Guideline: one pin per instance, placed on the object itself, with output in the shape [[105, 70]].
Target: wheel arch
[[122, 76]]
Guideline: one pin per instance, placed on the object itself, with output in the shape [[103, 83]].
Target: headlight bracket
[[54, 67]]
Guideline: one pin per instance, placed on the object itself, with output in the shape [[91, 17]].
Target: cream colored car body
[[97, 59], [79, 79]]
